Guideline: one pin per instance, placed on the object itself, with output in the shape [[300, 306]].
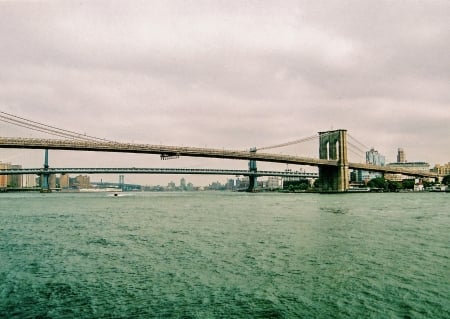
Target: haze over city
[[229, 74]]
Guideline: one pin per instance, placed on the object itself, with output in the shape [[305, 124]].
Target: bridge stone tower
[[333, 146]]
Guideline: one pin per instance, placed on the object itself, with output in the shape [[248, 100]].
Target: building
[[375, 158], [83, 181], [274, 182], [52, 181], [372, 157], [64, 181], [183, 184], [403, 164], [441, 169], [413, 166], [15, 181], [29, 181], [4, 178], [401, 158], [230, 184]]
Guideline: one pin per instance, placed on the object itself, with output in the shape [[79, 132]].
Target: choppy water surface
[[224, 255]]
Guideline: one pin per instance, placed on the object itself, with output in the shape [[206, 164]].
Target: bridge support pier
[[333, 146], [252, 182], [45, 185]]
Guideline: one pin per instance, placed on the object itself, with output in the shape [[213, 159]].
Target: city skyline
[[227, 74]]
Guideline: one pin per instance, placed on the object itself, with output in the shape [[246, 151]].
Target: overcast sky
[[231, 74]]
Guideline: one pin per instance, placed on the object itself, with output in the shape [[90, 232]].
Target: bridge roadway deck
[[76, 145], [391, 170], [134, 170]]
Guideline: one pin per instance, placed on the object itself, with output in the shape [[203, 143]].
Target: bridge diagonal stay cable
[[357, 141], [356, 147], [48, 128], [306, 139], [354, 152]]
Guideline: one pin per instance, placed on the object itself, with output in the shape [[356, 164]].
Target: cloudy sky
[[230, 74]]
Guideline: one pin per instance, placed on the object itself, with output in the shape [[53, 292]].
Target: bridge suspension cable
[[44, 128]]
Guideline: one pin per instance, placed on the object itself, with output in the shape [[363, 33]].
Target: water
[[224, 255]]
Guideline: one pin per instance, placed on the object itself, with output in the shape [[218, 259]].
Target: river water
[[224, 255]]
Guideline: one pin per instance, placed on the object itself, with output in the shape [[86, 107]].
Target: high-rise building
[[375, 158], [401, 158], [182, 184], [64, 181]]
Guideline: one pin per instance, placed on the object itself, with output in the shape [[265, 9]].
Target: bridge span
[[333, 162], [135, 170], [77, 145]]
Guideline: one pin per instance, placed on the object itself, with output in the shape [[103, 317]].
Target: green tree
[[394, 186], [408, 184], [378, 182], [446, 180]]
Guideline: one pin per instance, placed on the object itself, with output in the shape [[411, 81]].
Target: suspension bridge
[[333, 163]]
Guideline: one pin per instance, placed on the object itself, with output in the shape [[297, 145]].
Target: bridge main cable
[[45, 128]]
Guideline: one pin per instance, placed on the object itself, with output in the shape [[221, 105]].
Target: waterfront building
[[83, 181], [4, 178], [183, 184], [29, 181], [230, 184], [441, 169], [413, 166], [15, 181], [64, 181], [274, 182], [365, 176]]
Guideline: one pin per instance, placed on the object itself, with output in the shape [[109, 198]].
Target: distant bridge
[[134, 170]]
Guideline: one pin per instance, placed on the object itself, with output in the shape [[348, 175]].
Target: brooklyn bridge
[[332, 161]]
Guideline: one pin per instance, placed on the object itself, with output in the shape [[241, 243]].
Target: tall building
[[64, 181], [401, 158], [182, 184], [372, 157], [83, 181], [375, 158], [52, 181], [15, 180], [29, 180]]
